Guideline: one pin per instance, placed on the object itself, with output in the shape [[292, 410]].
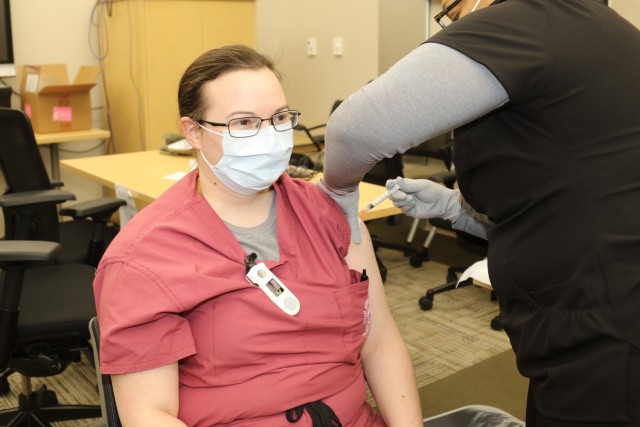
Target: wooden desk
[[145, 174], [54, 138]]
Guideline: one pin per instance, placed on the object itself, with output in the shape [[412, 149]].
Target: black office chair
[[439, 147], [317, 138], [448, 179], [44, 312], [110, 416], [30, 202], [469, 243]]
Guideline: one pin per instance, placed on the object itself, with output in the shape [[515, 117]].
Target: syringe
[[380, 199]]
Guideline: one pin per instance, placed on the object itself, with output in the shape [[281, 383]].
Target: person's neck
[[237, 209]]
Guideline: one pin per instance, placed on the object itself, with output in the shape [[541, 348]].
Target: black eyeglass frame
[[295, 115], [444, 12]]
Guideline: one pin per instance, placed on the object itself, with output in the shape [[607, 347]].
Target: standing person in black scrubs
[[544, 97]]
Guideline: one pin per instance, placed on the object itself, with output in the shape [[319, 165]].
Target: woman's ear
[[191, 132]]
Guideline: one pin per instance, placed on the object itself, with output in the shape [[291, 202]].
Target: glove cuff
[[471, 222]]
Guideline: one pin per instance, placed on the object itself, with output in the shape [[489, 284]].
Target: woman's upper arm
[[362, 256], [148, 397]]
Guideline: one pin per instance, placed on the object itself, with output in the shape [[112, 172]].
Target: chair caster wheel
[[496, 323], [415, 261], [46, 397], [417, 258], [426, 303]]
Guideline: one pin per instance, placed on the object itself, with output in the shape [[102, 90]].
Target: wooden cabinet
[[147, 45]]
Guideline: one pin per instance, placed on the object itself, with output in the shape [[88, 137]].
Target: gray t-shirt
[[262, 239]]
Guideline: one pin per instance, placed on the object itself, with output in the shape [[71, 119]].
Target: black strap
[[321, 414]]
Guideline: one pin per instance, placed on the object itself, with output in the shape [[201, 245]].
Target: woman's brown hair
[[211, 65]]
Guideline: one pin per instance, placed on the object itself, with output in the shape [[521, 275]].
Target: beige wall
[[401, 29], [630, 9], [312, 83], [375, 35]]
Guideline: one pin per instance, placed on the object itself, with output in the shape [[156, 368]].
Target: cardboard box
[[52, 103]]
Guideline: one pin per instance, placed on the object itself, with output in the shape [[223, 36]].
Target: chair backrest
[[20, 159], [335, 105], [387, 168], [438, 147], [23, 169], [105, 389]]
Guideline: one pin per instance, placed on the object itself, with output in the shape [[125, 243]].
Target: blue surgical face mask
[[251, 164]]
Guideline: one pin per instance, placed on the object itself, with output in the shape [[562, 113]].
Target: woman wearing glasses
[[544, 98], [236, 298]]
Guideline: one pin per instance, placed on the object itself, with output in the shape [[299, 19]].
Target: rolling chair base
[[41, 409], [426, 301]]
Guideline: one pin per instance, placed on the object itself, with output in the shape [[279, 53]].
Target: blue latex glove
[[348, 202]]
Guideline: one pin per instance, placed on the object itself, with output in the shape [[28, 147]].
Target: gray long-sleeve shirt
[[430, 91]]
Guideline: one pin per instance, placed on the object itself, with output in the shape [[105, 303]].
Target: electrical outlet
[[338, 46], [312, 46]]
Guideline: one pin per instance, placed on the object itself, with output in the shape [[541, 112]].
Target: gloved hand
[[348, 201], [422, 198]]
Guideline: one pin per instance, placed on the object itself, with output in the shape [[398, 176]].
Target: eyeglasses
[[245, 127], [442, 18]]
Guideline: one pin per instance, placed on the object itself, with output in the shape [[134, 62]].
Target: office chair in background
[[44, 312], [440, 148], [469, 243], [30, 203], [317, 138]]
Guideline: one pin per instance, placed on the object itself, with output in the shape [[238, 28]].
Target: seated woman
[[237, 297]]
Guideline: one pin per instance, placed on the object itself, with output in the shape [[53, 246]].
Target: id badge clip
[[277, 292]]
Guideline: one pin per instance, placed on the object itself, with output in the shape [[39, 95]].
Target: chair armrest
[[446, 178], [28, 250], [35, 197], [300, 126], [98, 209], [317, 127]]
